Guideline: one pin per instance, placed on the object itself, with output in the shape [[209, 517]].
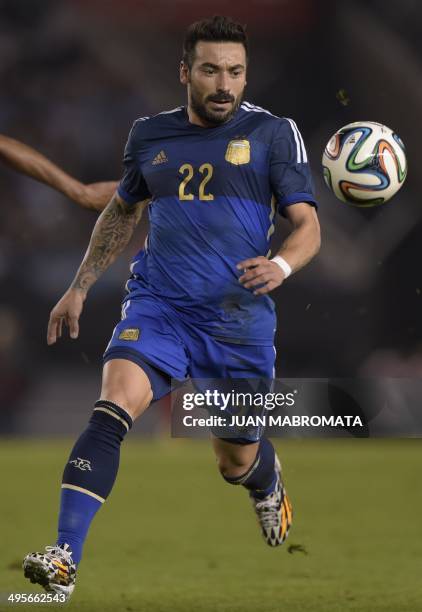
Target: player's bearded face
[[216, 81], [215, 108]]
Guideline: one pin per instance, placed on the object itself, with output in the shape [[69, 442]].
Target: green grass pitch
[[173, 537]]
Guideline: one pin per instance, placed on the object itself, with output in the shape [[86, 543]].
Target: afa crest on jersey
[[238, 152], [129, 334]]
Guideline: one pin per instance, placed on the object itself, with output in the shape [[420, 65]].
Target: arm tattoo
[[111, 234]]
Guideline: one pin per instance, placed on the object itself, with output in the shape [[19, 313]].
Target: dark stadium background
[[73, 77], [74, 74]]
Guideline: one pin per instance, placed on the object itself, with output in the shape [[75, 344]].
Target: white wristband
[[282, 263]]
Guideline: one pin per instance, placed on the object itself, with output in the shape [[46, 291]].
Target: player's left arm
[[302, 244], [292, 186]]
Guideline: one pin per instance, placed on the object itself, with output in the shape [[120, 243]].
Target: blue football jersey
[[214, 194]]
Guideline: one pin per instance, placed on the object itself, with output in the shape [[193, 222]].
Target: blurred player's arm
[[111, 234], [30, 162], [302, 244]]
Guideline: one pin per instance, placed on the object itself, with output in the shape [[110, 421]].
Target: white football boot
[[274, 512], [54, 569]]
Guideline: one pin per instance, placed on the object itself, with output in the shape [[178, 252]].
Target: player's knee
[[127, 385], [134, 404], [233, 459], [232, 466]]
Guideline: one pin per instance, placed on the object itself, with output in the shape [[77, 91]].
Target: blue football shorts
[[170, 349]]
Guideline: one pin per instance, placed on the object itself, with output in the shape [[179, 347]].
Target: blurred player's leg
[[90, 473]]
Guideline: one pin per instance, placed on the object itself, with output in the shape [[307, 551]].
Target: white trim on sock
[[81, 490]]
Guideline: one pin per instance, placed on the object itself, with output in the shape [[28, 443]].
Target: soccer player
[[212, 175]]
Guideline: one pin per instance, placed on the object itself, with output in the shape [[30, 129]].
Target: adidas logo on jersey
[[161, 158]]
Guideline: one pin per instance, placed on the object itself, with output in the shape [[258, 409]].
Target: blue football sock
[[261, 477], [90, 473]]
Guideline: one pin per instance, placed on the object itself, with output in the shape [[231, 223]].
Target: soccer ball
[[364, 164]]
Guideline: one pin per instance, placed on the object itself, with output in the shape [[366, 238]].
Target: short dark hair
[[216, 29]]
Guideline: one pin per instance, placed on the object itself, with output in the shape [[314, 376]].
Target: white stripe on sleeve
[[298, 149], [302, 144]]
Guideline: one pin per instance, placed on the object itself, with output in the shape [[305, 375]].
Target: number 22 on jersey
[[187, 171]]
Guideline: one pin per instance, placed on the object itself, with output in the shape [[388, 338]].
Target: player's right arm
[[111, 234]]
